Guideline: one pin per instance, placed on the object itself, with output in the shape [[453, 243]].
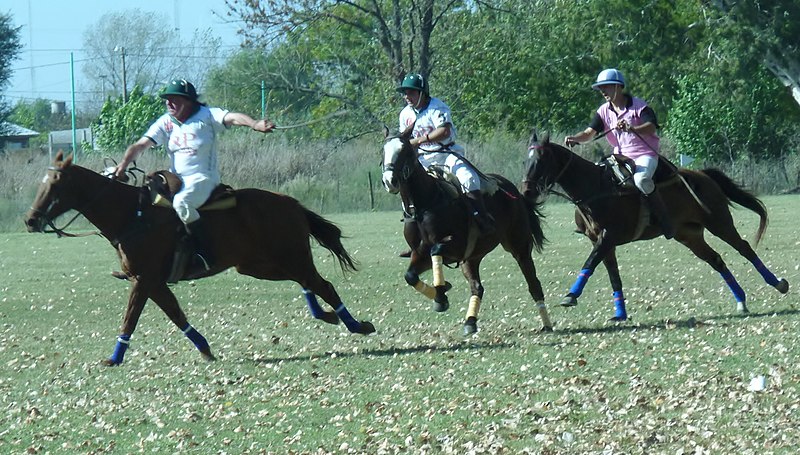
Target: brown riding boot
[[482, 216], [658, 209]]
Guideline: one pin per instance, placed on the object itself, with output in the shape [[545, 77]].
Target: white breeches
[[643, 175], [455, 165], [195, 192]]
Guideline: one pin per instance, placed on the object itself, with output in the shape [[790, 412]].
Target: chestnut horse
[[442, 230], [265, 235], [696, 201]]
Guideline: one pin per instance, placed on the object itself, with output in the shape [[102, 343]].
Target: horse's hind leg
[[165, 299], [471, 272], [528, 270], [702, 250], [730, 235], [315, 284], [610, 262], [603, 245]]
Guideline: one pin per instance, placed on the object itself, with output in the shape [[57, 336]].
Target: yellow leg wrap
[[425, 290], [474, 306], [543, 314], [438, 270]]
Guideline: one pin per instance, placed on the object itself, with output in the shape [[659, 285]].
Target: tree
[[10, 48], [152, 54], [121, 124]]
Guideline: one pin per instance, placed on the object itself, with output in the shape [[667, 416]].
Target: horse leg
[[610, 262], [471, 272], [136, 300], [165, 299], [440, 301], [602, 246], [528, 269], [702, 250], [730, 236], [316, 311], [418, 265], [321, 287]]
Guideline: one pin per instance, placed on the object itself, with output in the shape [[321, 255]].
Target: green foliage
[[121, 124], [10, 47]]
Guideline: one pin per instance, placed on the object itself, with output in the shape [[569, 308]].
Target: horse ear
[[406, 134], [67, 162], [385, 131], [59, 156]]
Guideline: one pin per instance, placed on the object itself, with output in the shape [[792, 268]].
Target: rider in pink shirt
[[632, 124]]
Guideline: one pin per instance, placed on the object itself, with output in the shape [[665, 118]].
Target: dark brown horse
[[266, 235], [443, 230], [696, 201]]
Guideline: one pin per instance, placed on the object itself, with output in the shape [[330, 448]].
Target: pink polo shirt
[[628, 143]]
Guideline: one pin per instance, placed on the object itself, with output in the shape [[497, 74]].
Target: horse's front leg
[[610, 261], [166, 300], [604, 243], [471, 271], [140, 292]]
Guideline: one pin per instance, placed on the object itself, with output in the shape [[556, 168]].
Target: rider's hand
[[120, 174], [570, 141], [264, 126], [623, 125]]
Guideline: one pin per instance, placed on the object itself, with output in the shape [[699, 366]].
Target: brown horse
[[266, 236], [696, 201], [442, 230]]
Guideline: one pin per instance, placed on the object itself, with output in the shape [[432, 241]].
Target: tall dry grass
[[331, 177]]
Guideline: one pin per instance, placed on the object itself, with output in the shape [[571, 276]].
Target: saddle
[[620, 170], [163, 185], [489, 185]]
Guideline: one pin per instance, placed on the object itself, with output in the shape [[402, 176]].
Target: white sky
[[53, 29]]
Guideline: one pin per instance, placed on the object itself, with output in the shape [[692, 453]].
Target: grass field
[[672, 380]]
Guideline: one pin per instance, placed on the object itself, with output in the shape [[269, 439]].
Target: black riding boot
[[203, 257], [482, 216], [658, 209]]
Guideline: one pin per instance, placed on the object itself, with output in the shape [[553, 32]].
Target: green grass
[[672, 379]]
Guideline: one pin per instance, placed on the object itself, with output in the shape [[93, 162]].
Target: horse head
[[545, 166], [54, 197], [399, 159]]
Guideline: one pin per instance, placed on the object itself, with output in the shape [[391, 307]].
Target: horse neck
[[419, 189], [108, 205], [579, 177]]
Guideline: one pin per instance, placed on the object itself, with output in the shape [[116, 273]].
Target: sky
[[51, 30]]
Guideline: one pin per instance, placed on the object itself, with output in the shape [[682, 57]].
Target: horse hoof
[[329, 317], [441, 307], [470, 326], [546, 329], [448, 286], [741, 308], [782, 286], [208, 356], [109, 363], [366, 328], [569, 300], [618, 319]]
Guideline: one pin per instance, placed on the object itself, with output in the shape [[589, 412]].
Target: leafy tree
[[37, 115], [153, 54], [10, 48], [121, 124]]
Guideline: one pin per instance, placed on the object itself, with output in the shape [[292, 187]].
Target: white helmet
[[608, 77]]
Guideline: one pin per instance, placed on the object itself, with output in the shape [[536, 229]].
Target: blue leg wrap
[[313, 305], [619, 306], [738, 292], [583, 277], [769, 277], [119, 350], [345, 316], [199, 340]]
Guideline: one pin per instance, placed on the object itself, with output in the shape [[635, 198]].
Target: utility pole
[[124, 75]]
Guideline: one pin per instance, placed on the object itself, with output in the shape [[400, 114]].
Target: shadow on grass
[[388, 352], [673, 324]]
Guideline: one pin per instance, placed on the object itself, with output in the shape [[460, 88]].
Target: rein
[[311, 122]]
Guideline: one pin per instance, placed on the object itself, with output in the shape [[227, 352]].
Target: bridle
[[550, 183], [48, 221]]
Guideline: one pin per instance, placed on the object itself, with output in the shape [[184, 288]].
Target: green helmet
[[413, 81], [180, 87]]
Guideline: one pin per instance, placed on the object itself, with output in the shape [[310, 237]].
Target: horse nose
[[389, 182], [33, 223]]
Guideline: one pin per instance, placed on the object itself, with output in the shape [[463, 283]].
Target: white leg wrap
[[437, 270], [543, 314], [473, 307]]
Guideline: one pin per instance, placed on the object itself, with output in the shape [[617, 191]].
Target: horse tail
[[329, 236], [739, 195], [533, 208], [535, 216]]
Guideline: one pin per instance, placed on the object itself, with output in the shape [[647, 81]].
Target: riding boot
[[198, 233], [658, 209], [482, 216]]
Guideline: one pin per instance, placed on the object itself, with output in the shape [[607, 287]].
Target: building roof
[[8, 129]]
